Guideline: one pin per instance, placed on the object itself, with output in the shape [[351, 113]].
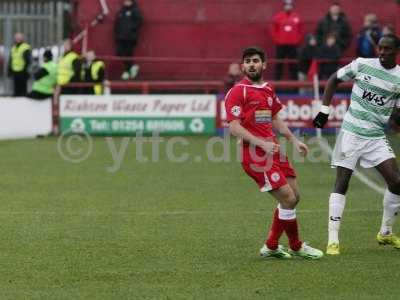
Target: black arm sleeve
[[76, 66], [102, 75], [40, 74], [28, 59], [137, 18], [347, 35], [9, 70]]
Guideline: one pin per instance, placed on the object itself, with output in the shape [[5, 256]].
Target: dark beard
[[254, 77]]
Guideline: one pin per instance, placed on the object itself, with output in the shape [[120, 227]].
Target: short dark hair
[[254, 50], [394, 37], [48, 54]]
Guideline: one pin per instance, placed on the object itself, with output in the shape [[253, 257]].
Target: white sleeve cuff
[[325, 109]]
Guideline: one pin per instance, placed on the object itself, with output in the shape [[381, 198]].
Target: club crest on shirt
[[275, 177], [236, 110], [367, 78], [270, 101]]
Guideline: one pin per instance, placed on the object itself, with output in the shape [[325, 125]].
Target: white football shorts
[[351, 149]]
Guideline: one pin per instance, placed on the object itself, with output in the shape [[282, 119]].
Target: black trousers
[[20, 81], [69, 90], [126, 48], [286, 51], [38, 95]]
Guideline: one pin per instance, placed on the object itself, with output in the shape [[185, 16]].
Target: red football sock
[[291, 229], [275, 232]]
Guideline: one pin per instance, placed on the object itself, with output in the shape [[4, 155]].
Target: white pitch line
[[360, 176]]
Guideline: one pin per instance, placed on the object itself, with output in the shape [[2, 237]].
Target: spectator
[[45, 78], [18, 66], [68, 20], [126, 29], [335, 22], [306, 55], [287, 34], [94, 73], [234, 75], [388, 29], [330, 54], [368, 37], [69, 69]]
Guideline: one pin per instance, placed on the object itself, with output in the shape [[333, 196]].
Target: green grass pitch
[[163, 230]]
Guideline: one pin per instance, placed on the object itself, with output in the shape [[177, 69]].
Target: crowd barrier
[[174, 114], [129, 113], [24, 118]]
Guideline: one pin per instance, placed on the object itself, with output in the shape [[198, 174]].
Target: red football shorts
[[268, 171]]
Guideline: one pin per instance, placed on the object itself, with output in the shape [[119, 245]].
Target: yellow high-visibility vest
[[18, 62], [47, 83], [65, 68], [94, 73]]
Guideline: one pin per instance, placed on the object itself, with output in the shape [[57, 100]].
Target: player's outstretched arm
[[283, 129], [239, 131], [330, 89]]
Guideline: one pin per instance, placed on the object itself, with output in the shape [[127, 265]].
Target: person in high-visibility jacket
[[18, 66], [94, 73], [45, 78], [69, 69]]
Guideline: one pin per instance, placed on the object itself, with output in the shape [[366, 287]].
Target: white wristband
[[325, 109]]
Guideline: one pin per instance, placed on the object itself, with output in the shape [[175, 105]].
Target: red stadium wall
[[212, 29]]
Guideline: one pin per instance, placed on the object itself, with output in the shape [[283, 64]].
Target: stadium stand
[[210, 29]]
